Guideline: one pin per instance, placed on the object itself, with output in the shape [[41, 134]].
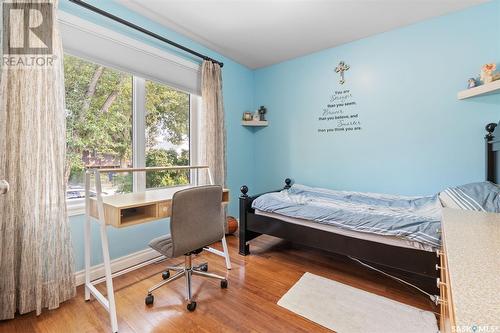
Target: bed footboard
[[246, 235]]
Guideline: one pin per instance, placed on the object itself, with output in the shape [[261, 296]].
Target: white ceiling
[[259, 33]]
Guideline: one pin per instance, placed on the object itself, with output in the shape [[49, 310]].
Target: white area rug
[[345, 309]]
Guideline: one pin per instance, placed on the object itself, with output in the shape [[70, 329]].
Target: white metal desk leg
[[224, 243], [109, 279], [226, 253], [105, 254], [86, 236], [88, 244]]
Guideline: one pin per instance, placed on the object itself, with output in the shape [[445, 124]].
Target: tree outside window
[[99, 106]]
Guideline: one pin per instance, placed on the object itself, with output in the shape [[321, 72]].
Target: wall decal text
[[340, 114]]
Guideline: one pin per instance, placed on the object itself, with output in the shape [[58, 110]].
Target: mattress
[[416, 219], [388, 240]]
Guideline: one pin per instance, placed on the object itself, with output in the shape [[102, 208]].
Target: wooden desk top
[[472, 245], [134, 199], [121, 210]]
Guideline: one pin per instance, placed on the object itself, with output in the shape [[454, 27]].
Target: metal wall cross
[[341, 68]]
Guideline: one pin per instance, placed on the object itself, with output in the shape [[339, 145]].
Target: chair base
[[187, 271]]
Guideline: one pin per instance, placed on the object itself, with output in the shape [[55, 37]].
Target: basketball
[[232, 225]]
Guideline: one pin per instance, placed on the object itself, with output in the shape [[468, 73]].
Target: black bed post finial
[[244, 191], [490, 128], [288, 183]]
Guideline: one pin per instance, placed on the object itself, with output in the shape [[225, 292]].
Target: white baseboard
[[117, 264]]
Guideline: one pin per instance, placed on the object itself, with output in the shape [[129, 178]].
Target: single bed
[[412, 260]]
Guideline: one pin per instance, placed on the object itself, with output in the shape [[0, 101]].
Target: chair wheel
[[149, 299], [223, 284], [191, 306], [204, 267], [165, 275]]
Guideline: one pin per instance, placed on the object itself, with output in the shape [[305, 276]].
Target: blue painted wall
[[417, 138], [238, 97]]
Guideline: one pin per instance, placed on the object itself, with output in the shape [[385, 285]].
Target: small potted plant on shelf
[[262, 113]]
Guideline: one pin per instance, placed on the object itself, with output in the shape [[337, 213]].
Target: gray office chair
[[196, 221]]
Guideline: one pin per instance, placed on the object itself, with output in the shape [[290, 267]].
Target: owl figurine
[[471, 83]]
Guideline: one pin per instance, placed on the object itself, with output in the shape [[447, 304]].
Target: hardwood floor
[[256, 283]]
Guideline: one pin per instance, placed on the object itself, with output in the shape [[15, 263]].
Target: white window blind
[[93, 42]]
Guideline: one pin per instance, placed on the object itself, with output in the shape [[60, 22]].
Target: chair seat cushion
[[163, 245]]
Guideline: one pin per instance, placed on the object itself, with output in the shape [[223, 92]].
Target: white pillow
[[446, 201]]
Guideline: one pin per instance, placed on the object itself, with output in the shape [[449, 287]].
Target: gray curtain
[[36, 262], [212, 129]]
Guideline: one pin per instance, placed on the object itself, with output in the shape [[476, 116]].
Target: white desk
[[124, 210], [129, 209]]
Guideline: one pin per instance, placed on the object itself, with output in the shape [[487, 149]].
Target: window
[[110, 123], [167, 134], [98, 123]]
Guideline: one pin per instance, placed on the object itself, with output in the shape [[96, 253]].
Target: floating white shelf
[[489, 88], [254, 123]]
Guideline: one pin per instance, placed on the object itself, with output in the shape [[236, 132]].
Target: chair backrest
[[197, 218]]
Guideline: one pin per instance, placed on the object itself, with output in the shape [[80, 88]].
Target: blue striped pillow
[[481, 197]]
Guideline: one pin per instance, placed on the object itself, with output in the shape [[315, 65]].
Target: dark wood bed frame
[[492, 140], [415, 266]]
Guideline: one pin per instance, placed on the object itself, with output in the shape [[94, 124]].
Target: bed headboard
[[492, 141]]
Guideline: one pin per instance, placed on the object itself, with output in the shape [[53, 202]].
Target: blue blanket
[[414, 218]]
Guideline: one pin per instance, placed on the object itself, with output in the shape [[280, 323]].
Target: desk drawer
[[164, 209]]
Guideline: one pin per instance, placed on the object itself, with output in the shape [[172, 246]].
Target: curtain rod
[[141, 29]]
